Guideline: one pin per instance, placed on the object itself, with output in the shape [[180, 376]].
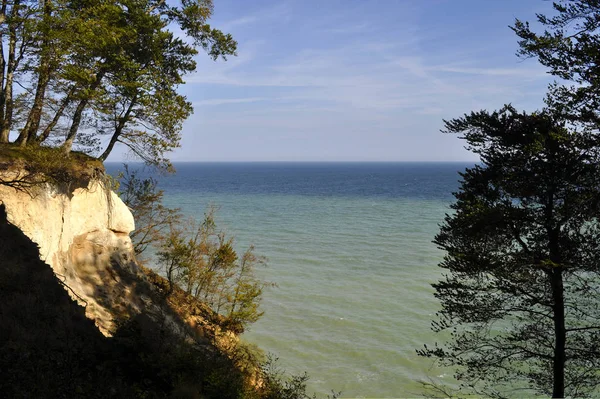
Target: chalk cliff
[[76, 307], [84, 236]]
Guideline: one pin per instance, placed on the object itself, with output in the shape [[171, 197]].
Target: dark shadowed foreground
[[49, 349]]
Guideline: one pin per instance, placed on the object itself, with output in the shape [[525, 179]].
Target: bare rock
[[84, 236]]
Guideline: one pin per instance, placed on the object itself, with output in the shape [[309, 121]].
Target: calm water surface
[[349, 246]]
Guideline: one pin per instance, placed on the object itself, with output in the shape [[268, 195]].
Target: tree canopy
[[569, 47], [76, 71], [523, 258], [520, 293]]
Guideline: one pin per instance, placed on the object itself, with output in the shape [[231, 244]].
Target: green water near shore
[[349, 247], [353, 298]]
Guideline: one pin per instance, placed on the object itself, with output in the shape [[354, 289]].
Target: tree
[[569, 48], [140, 106], [175, 255], [18, 33], [202, 260], [152, 218], [275, 384], [87, 68], [198, 257], [523, 259], [244, 299]]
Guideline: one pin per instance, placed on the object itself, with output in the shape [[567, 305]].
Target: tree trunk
[[112, 142], [170, 271], [45, 70], [46, 133], [3, 135], [558, 299], [560, 334], [68, 144], [119, 129], [10, 73], [32, 125]]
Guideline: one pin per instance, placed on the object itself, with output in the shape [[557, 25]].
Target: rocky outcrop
[[84, 236], [50, 348]]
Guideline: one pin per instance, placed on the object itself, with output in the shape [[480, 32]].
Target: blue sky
[[356, 80]]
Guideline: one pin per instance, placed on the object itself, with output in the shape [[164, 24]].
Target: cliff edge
[[84, 236], [80, 318]]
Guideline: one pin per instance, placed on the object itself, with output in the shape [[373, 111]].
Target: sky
[[356, 80]]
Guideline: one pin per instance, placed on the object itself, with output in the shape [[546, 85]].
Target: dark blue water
[[435, 181]]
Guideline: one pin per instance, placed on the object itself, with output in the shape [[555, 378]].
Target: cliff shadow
[[50, 349], [157, 342]]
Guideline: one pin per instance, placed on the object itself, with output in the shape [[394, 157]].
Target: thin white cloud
[[380, 79], [225, 101], [536, 72], [384, 83], [246, 20], [351, 29], [281, 12]]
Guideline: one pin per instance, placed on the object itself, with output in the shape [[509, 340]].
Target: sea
[[349, 247]]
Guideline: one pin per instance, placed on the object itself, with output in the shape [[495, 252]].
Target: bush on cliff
[[199, 257], [49, 349]]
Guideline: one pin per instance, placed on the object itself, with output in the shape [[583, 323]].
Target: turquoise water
[[349, 247]]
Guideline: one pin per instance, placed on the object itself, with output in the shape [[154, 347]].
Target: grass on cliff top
[[41, 163]]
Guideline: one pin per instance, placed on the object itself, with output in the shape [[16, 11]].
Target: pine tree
[[520, 294]]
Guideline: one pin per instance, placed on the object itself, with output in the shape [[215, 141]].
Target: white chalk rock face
[[96, 207], [84, 237]]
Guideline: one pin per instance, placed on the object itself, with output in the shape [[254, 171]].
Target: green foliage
[[102, 67], [145, 202], [277, 386], [202, 260], [198, 257], [569, 48], [522, 259], [31, 166], [242, 306]]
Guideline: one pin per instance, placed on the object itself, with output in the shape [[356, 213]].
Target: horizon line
[[305, 161]]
